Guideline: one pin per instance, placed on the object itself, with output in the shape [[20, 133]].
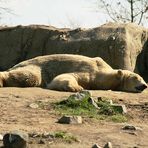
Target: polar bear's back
[[50, 66], [69, 62]]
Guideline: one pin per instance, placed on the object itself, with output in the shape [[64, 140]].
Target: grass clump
[[83, 107], [64, 136], [107, 109], [119, 118], [76, 107]]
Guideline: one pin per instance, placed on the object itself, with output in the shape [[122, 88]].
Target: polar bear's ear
[[119, 73]]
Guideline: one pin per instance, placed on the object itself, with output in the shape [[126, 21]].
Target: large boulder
[[118, 44], [142, 62]]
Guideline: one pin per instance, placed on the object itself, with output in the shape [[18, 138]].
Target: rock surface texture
[[15, 139], [118, 44]]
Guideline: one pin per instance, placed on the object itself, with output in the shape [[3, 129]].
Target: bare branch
[[108, 10], [141, 18], [5, 10], [125, 10]]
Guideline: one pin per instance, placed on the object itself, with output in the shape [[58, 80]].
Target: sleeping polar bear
[[65, 72]]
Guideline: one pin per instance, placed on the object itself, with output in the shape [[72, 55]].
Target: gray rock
[[34, 135], [119, 57], [17, 139], [77, 96], [131, 127], [46, 135], [81, 95], [70, 120], [85, 92], [108, 145], [96, 146], [41, 141], [92, 101], [34, 105]]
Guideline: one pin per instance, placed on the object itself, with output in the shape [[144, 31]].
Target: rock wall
[[118, 44], [142, 62]]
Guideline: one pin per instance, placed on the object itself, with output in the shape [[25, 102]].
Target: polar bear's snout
[[141, 87]]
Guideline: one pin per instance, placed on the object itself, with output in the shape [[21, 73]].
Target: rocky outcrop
[[142, 62], [118, 44]]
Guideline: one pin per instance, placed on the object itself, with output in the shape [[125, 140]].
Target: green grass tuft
[[65, 137], [82, 107], [119, 118], [76, 107]]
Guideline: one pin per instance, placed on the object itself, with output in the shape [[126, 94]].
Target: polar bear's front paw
[[74, 88]]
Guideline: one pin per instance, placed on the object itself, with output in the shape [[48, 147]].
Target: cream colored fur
[[70, 73]]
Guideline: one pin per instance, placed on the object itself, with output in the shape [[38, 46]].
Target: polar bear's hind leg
[[22, 79]]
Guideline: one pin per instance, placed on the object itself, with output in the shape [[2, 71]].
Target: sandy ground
[[16, 115]]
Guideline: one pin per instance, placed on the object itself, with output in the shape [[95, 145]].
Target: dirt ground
[[16, 115]]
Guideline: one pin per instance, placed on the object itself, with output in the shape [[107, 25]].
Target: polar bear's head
[[131, 82]]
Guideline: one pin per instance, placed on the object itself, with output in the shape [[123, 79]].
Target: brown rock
[[118, 44], [70, 120]]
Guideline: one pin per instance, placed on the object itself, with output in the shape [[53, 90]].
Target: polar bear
[[67, 72]]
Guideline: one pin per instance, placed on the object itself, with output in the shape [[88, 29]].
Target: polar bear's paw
[[65, 82]]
